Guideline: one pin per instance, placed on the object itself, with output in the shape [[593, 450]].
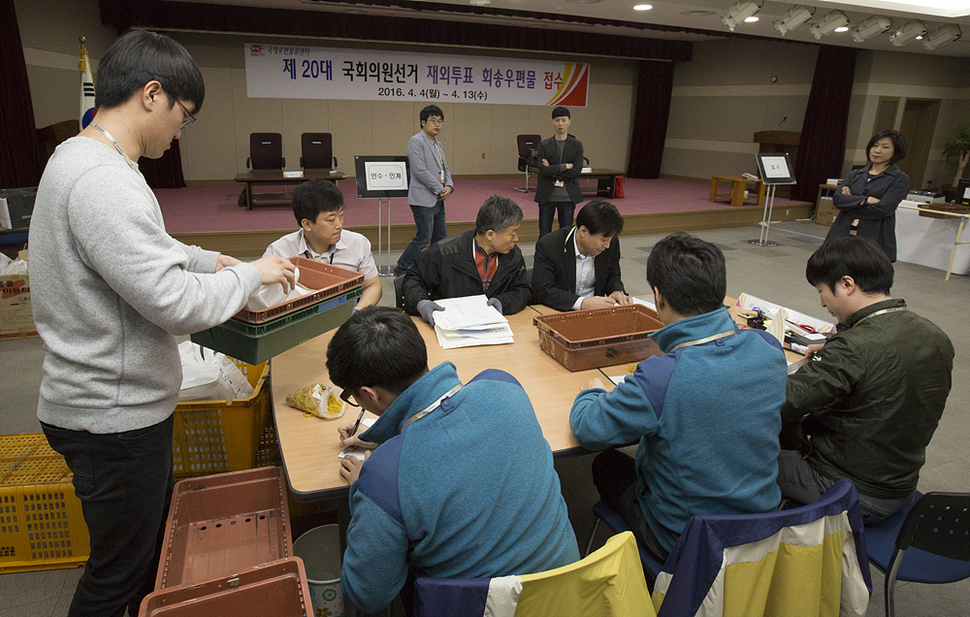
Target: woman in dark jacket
[[869, 196]]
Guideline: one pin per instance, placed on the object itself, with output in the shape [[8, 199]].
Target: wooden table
[[605, 185], [276, 178], [738, 186]]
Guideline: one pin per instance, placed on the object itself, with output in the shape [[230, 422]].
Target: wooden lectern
[[779, 142]]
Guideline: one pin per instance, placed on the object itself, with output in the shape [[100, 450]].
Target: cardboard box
[[16, 315], [826, 212]]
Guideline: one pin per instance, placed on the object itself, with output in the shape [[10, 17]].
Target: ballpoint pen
[[357, 423]]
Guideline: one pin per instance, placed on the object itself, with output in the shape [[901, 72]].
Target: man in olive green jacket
[[868, 402]]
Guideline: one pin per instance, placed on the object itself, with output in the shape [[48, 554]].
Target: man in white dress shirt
[[318, 206]]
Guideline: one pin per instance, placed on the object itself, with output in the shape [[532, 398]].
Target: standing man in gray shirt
[[429, 187], [111, 290], [560, 163]]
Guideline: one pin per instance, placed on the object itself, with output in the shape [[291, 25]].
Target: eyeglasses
[[347, 394], [187, 118], [435, 120]]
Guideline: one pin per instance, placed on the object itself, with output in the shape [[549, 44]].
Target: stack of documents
[[469, 321]]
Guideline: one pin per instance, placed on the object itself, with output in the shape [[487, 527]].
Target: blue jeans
[[431, 228], [124, 482], [548, 210]]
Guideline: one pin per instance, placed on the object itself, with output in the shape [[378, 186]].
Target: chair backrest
[[399, 300], [938, 523], [266, 151], [810, 560], [608, 583], [527, 145], [317, 149]]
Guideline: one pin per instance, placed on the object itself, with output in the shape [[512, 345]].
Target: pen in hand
[[360, 417]]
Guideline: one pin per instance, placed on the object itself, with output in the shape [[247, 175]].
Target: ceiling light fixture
[[842, 29], [870, 28], [739, 12], [643, 7], [942, 36], [795, 17], [910, 31], [750, 20], [828, 24]]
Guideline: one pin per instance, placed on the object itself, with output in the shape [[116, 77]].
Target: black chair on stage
[[265, 152], [317, 149], [528, 151]]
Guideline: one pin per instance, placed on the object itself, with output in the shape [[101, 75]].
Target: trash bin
[[320, 550]]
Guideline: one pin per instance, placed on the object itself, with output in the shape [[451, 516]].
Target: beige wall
[[479, 139]]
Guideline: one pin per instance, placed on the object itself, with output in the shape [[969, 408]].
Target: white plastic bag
[[210, 375]]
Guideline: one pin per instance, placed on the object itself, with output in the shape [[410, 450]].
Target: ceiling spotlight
[[870, 28], [828, 24], [942, 36], [911, 30], [751, 20], [643, 7], [795, 17], [740, 12], [842, 29]]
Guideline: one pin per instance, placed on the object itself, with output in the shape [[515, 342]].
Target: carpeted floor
[[215, 208]]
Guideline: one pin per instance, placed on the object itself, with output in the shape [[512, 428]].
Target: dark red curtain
[[18, 135], [655, 82], [821, 148], [166, 172]]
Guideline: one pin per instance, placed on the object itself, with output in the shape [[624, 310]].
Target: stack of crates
[[41, 524]]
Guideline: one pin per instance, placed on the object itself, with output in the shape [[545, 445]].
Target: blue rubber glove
[[496, 303], [427, 308]]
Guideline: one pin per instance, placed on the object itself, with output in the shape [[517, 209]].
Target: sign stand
[[775, 169], [381, 178]]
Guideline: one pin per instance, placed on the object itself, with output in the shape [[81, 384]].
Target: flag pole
[[87, 110]]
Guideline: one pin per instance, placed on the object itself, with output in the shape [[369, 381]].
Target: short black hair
[[854, 256], [497, 214], [315, 196], [378, 346], [600, 217], [139, 57], [899, 144], [560, 111], [689, 273], [431, 110]]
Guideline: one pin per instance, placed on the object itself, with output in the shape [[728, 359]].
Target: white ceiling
[[702, 17]]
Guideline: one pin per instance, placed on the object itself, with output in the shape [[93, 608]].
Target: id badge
[[560, 183]]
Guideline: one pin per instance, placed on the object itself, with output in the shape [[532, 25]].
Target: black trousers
[[125, 483]]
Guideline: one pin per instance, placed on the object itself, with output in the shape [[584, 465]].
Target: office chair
[[925, 542], [528, 146], [800, 562], [265, 152], [607, 583], [317, 149]]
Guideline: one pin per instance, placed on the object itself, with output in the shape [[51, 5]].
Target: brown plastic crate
[[224, 524], [584, 340], [279, 589], [328, 280], [944, 207]]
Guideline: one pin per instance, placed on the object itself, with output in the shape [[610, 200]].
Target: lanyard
[[881, 312], [429, 408], [707, 339], [114, 143]]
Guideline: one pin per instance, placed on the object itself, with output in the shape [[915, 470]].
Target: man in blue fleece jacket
[[461, 483], [706, 412]]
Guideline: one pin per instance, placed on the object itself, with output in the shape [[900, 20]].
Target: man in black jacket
[[868, 403], [482, 261], [560, 163], [579, 267]]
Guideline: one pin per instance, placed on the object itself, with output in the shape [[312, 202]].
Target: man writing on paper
[[318, 206], [494, 509], [481, 261], [111, 291], [705, 413], [579, 267], [868, 402]]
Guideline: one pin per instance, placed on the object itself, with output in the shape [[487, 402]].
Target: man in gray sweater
[[110, 290]]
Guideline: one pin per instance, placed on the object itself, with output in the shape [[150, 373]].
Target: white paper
[[467, 312], [453, 339], [646, 301]]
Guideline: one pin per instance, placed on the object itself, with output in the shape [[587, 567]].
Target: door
[[919, 121]]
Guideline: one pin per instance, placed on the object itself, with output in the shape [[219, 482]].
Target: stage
[[211, 217]]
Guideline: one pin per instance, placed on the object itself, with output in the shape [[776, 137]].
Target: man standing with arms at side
[[429, 187], [705, 412], [867, 404], [111, 289], [560, 163], [578, 268]]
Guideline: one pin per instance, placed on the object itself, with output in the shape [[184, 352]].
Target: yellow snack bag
[[318, 399]]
